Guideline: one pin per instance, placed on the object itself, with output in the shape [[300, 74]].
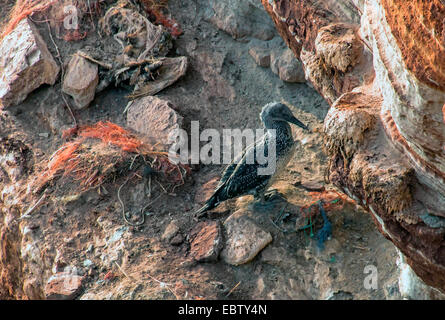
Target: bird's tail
[[209, 205]]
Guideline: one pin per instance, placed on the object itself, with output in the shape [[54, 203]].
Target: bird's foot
[[273, 195]]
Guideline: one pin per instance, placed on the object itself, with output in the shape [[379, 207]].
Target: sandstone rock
[[347, 122], [171, 231], [381, 69], [244, 240], [206, 241], [210, 67], [311, 185], [287, 66], [276, 256], [206, 190], [63, 286], [117, 235], [113, 243], [240, 18], [25, 64], [411, 287], [338, 46], [81, 80], [261, 56], [155, 118], [177, 240]]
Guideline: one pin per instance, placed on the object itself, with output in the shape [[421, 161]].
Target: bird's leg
[[261, 203], [259, 197]]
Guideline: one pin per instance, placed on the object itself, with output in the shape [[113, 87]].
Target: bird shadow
[[275, 205]]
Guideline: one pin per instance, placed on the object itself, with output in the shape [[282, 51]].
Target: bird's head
[[276, 111]]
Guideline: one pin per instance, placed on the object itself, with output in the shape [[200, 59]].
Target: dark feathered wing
[[239, 178]]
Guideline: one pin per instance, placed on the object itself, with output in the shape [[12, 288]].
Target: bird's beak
[[297, 122]]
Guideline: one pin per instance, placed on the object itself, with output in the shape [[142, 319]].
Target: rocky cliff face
[[381, 66]]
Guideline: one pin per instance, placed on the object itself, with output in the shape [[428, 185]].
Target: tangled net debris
[[104, 151], [21, 10], [332, 201], [157, 9]]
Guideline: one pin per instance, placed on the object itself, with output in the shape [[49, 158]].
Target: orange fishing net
[[21, 10], [62, 156], [111, 133], [91, 162], [158, 9]]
